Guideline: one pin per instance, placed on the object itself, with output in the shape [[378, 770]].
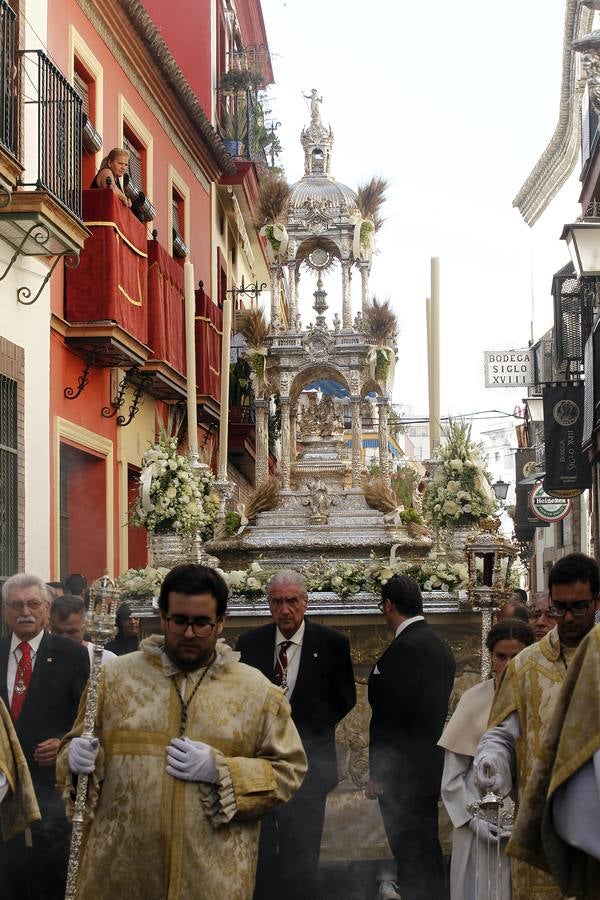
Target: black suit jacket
[[409, 703], [323, 694], [59, 676]]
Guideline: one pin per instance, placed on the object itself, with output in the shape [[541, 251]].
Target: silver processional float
[[101, 625]]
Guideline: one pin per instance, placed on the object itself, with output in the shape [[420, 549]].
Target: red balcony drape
[[209, 331], [166, 307], [111, 281]]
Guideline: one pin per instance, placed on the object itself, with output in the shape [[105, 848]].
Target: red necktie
[[281, 664], [22, 679]]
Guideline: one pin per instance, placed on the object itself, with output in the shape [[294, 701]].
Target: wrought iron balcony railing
[[53, 120], [7, 77]]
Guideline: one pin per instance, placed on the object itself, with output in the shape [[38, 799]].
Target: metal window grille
[[176, 222], [136, 170], [573, 310], [9, 499], [7, 76], [53, 114], [543, 365]]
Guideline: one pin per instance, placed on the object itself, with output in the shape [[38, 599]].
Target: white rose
[[253, 583], [450, 508], [336, 581], [456, 464], [255, 567]]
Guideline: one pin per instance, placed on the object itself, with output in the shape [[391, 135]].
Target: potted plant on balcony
[[234, 130], [237, 81]]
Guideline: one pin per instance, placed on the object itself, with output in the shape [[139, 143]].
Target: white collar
[[34, 642], [408, 622], [296, 638]]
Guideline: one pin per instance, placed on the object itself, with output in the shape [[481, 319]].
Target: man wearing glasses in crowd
[[527, 695], [192, 748], [42, 677]]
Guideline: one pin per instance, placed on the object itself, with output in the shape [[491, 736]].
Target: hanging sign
[[525, 468], [547, 508], [568, 472], [508, 368]]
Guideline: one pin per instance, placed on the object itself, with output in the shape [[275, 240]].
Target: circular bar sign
[[546, 507]]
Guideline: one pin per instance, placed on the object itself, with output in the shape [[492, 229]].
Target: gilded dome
[[324, 193]]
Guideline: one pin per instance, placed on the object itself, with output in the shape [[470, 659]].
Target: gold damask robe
[[155, 837], [19, 808], [530, 687], [572, 740]]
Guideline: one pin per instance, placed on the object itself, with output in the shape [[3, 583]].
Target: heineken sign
[[547, 508], [568, 471]]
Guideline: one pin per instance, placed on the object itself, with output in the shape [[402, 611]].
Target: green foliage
[[233, 521]]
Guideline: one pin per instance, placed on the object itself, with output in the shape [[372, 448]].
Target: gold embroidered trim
[[120, 234]]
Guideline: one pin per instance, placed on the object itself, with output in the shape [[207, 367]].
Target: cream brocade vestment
[[19, 808], [530, 687], [154, 837]]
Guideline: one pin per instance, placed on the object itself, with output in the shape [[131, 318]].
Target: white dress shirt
[[408, 622], [14, 657], [293, 656]]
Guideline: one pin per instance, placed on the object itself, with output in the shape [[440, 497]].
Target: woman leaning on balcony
[[111, 173]]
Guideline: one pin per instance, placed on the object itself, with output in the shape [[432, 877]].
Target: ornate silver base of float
[[172, 548]]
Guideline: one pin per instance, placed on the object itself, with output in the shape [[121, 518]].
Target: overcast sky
[[453, 103]]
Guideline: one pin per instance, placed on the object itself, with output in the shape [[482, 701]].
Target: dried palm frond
[[379, 496], [254, 329], [263, 498], [273, 198], [371, 197], [380, 324]]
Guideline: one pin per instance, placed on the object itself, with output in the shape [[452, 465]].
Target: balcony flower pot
[[234, 148]]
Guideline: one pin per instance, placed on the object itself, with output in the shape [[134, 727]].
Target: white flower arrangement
[[172, 497], [248, 582], [139, 583], [460, 492]]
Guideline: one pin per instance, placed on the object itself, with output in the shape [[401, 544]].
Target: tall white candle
[[190, 355], [224, 419]]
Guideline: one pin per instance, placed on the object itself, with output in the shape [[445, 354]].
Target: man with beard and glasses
[[192, 748], [525, 701]]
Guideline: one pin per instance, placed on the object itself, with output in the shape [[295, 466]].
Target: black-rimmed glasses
[[577, 608], [200, 626]]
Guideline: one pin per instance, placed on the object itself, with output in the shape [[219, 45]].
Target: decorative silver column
[[363, 266], [356, 441], [384, 462], [292, 301], [285, 443], [275, 304], [346, 296], [261, 427]]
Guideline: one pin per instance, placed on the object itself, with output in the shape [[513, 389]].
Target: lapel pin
[[49, 659], [315, 655]]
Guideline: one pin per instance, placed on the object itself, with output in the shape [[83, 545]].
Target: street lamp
[[583, 241], [500, 489]]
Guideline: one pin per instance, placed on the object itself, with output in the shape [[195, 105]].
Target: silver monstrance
[[100, 623]]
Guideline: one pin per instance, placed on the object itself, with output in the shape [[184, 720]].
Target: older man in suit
[[42, 677], [409, 690], [312, 664]]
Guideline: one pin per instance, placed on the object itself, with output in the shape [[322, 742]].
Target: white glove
[[82, 755], [3, 786], [492, 773], [191, 761], [485, 831]]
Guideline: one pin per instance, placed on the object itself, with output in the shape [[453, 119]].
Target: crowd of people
[[210, 767]]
